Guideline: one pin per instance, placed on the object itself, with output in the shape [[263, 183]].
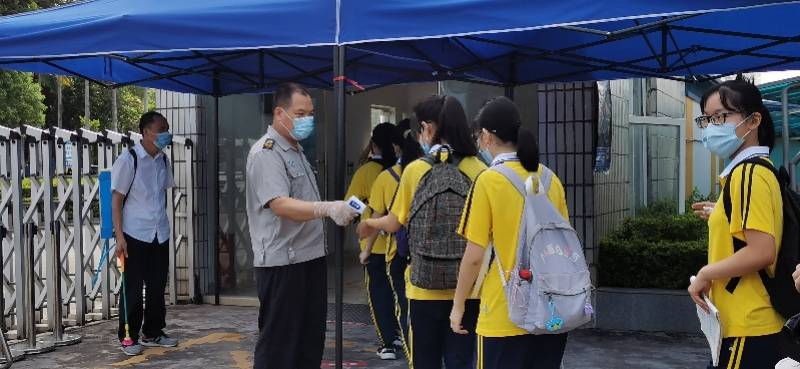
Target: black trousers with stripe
[[381, 301], [291, 317], [522, 352], [396, 271], [432, 340], [761, 352]]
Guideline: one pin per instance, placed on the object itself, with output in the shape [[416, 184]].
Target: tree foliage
[[21, 100], [129, 105]]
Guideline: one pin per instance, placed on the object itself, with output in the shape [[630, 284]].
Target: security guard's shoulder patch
[[269, 144]]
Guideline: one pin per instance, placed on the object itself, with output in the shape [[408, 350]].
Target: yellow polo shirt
[[409, 181], [380, 199], [494, 214], [746, 312], [360, 187]]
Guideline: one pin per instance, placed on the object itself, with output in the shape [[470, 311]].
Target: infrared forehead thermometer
[[356, 204]]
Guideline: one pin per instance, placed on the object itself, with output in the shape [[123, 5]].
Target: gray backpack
[[549, 289], [435, 247]]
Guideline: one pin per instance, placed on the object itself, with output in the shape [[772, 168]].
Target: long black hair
[[382, 138], [451, 123], [500, 116], [742, 96], [409, 146]]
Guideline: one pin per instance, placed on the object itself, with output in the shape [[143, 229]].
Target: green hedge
[[657, 249]]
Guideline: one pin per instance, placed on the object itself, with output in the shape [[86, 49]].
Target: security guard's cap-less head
[[291, 102]]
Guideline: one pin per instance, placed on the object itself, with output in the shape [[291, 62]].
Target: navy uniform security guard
[[284, 213]]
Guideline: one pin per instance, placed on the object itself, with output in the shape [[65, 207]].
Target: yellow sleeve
[[358, 185], [376, 197], [406, 189], [558, 197], [476, 219], [752, 201]]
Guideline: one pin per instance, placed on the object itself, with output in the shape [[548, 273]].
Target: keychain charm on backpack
[[588, 309], [555, 323], [525, 275]]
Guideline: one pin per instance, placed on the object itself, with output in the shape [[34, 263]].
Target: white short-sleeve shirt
[[144, 216]]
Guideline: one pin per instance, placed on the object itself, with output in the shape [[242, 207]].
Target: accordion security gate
[[49, 179]]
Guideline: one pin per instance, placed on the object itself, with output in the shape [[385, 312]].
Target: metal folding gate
[[49, 215]]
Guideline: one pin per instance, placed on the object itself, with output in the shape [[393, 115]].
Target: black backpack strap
[[135, 166], [394, 174], [726, 200]]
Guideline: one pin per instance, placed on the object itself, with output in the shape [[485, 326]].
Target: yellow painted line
[[242, 359], [347, 344], [160, 351]]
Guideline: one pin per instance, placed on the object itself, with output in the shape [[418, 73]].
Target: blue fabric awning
[[252, 45]]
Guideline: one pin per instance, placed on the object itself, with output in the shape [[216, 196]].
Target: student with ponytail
[[450, 154], [492, 218], [379, 291], [380, 200]]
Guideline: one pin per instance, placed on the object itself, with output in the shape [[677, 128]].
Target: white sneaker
[[132, 350], [160, 341], [397, 344], [387, 353], [787, 363]]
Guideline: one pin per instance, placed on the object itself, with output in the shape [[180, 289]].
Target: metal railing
[[51, 246]]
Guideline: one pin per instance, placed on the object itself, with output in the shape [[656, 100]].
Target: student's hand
[[121, 248], [796, 276], [703, 209], [363, 257], [456, 315], [365, 229], [699, 288]]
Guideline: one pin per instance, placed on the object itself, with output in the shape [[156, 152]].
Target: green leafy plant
[[657, 249]]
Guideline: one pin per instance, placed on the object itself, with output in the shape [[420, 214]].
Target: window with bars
[[566, 129]]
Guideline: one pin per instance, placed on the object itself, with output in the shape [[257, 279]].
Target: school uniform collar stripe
[[744, 155]]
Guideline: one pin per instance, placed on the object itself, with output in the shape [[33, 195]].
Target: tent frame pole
[[787, 157], [212, 148], [339, 60]]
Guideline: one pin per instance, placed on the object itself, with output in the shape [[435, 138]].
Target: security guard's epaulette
[[269, 143]]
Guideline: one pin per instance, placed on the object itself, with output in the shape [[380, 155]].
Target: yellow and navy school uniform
[[430, 336], [383, 193], [360, 187], [750, 325], [492, 217], [379, 291]]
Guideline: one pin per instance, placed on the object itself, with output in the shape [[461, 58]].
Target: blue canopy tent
[[249, 46], [252, 45]]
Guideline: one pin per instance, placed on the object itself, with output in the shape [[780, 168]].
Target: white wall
[[702, 174]]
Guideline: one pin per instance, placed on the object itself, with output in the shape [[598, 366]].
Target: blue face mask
[[722, 139], [486, 156], [426, 147], [163, 139], [303, 128]]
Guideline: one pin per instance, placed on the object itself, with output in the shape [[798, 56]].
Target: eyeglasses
[[716, 119]]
